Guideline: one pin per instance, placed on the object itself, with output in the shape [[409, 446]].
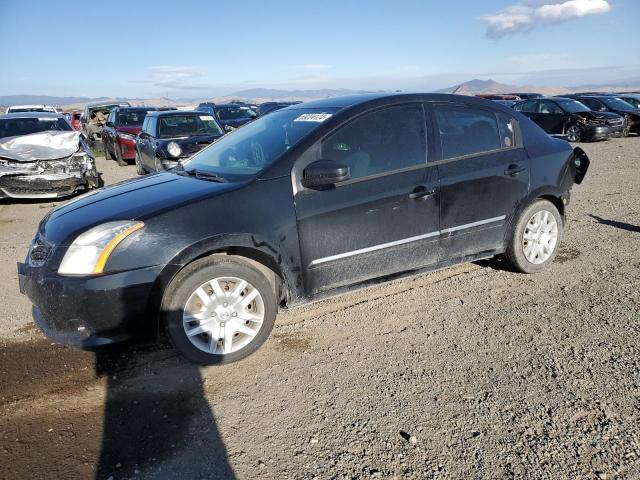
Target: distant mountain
[[45, 99], [274, 94], [476, 86]]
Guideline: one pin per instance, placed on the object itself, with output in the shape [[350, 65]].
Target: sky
[[194, 49]]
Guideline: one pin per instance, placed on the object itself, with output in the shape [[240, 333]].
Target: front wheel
[[536, 238], [574, 134], [139, 168], [219, 310]]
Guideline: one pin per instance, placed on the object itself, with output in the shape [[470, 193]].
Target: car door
[[550, 117], [381, 221], [145, 143], [108, 132], [484, 176]]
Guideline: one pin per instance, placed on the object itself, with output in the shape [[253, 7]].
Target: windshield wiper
[[201, 174]]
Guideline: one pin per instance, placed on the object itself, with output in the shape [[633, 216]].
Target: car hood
[[189, 145], [130, 130], [598, 115], [237, 123], [50, 145], [135, 199]]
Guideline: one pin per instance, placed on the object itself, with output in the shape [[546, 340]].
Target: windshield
[[257, 145], [616, 103], [173, 126], [131, 118], [235, 113], [632, 101], [13, 127], [573, 106]]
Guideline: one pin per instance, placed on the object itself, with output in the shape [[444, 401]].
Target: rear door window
[[466, 130], [528, 107], [381, 141]]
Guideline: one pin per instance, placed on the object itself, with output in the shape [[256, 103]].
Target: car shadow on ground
[[614, 223], [157, 421]]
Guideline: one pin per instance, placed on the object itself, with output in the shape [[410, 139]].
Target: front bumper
[[595, 133], [127, 148], [89, 312], [54, 185]]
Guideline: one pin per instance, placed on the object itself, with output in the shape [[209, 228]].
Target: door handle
[[421, 191], [513, 169]]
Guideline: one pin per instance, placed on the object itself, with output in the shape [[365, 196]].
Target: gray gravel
[[468, 372]]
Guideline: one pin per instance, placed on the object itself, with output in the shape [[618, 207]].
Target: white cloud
[[314, 66], [520, 18], [175, 76]]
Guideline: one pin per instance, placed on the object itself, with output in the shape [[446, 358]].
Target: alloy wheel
[[223, 315], [540, 237], [573, 133]]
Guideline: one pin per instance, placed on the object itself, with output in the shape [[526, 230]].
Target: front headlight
[[89, 252], [174, 149]]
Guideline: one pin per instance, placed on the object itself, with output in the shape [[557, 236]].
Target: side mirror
[[109, 124], [324, 172]]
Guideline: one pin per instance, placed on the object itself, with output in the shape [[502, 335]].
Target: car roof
[[348, 101], [31, 115], [38, 105], [168, 113], [152, 109], [107, 104]]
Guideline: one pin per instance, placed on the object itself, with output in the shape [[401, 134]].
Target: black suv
[[611, 104], [169, 136], [306, 202], [571, 119]]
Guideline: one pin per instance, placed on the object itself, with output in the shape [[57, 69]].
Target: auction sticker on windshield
[[206, 117], [312, 117]]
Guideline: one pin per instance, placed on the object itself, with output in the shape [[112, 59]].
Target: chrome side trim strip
[[404, 240], [373, 248], [474, 224]]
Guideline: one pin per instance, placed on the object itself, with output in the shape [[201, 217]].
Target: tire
[[533, 253], [574, 133], [118, 157], [626, 131], [107, 154], [212, 341], [139, 168]]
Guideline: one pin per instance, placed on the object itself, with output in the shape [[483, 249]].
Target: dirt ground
[[468, 372]]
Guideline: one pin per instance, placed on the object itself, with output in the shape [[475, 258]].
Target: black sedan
[[611, 104], [167, 137], [571, 119], [307, 202], [230, 115]]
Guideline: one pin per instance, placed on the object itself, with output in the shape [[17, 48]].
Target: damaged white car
[[41, 156]]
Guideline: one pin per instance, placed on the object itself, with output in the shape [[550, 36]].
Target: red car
[[119, 133], [74, 118]]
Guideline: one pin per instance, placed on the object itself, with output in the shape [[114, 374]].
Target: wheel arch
[[258, 252]]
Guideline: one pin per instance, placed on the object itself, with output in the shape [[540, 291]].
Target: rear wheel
[[536, 238], [574, 134], [218, 310]]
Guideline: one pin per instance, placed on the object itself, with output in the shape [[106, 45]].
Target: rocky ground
[[468, 372]]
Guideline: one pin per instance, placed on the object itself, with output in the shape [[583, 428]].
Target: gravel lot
[[468, 372]]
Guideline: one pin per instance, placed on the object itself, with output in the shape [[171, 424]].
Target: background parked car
[[94, 117], [120, 130], [571, 119], [41, 156], [31, 108], [606, 103], [527, 96], [169, 136], [74, 119], [229, 115], [631, 98], [268, 107]]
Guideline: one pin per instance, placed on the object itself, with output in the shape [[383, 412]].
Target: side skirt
[[390, 278]]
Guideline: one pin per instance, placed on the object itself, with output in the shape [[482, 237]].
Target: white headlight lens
[[174, 149], [90, 251]]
